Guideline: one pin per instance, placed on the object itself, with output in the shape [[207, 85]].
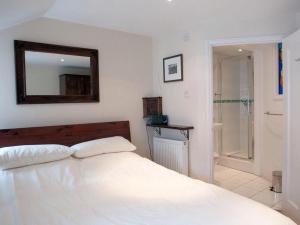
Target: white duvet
[[120, 189]]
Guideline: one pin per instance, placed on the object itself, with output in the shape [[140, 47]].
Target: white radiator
[[172, 154]]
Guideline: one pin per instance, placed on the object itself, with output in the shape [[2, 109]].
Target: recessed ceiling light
[[240, 50], [169, 0], [62, 60]]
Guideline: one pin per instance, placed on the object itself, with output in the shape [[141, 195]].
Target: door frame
[[257, 106], [291, 208]]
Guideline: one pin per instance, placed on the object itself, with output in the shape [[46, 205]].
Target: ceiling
[[240, 50], [13, 12], [149, 17], [232, 50]]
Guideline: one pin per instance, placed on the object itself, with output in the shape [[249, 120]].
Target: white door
[[292, 141]]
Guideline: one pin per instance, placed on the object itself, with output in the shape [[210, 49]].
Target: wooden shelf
[[185, 130], [173, 127]]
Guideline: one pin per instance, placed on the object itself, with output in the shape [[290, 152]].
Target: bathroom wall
[[273, 126], [271, 150]]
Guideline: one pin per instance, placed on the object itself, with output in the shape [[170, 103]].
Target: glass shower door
[[234, 107]]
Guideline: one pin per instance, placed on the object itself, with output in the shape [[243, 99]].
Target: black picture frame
[[173, 68]]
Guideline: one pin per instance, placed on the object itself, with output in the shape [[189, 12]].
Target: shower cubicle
[[233, 106]]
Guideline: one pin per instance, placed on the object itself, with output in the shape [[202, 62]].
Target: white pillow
[[102, 146], [19, 156]]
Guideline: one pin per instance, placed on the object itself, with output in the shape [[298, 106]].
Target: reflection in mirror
[[57, 74]]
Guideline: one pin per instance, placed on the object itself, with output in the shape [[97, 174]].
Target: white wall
[[273, 130], [270, 153], [42, 80], [187, 102], [125, 63]]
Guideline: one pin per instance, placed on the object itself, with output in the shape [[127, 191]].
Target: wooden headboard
[[64, 135]]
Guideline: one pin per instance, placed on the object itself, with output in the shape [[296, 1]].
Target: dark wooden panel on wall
[[65, 134], [71, 84], [152, 106]]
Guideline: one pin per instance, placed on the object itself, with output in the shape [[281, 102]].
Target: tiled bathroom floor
[[248, 185]]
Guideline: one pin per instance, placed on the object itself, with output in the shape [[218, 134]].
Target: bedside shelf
[[173, 127], [183, 129]]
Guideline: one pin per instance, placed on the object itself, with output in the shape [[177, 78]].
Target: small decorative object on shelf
[[152, 106]]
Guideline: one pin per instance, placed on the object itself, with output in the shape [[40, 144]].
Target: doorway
[[239, 117]]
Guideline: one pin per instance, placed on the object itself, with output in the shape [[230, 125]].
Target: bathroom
[[248, 119]]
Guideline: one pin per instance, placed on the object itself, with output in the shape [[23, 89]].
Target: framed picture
[[173, 68]]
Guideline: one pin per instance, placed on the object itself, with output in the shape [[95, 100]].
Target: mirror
[[55, 74]]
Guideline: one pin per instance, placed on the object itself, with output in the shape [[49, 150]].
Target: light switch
[[186, 94]]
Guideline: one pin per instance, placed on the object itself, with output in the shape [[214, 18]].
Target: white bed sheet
[[121, 189]]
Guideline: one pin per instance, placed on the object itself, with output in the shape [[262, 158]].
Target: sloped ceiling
[[153, 17], [13, 12]]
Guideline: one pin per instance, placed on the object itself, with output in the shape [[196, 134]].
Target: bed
[[113, 189]]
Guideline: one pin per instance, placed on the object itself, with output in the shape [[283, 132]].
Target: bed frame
[[64, 135]]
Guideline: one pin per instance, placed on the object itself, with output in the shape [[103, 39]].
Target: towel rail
[[273, 114]]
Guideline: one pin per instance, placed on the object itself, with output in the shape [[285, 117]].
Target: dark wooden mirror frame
[[23, 98]]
